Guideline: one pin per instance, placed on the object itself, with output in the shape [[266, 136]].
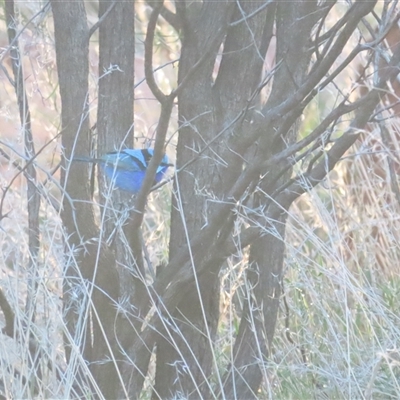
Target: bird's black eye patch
[[142, 164], [146, 156]]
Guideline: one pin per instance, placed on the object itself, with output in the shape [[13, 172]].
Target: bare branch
[[94, 28], [168, 15], [252, 14], [33, 197], [44, 9], [148, 55]]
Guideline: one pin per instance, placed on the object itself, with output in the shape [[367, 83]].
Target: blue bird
[[126, 169]]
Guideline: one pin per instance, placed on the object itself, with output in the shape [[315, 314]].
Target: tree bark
[[90, 277]]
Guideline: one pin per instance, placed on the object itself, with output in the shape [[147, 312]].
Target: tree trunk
[[185, 357], [90, 275], [264, 274]]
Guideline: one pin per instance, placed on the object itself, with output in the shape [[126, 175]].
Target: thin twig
[[101, 19], [13, 42], [253, 14]]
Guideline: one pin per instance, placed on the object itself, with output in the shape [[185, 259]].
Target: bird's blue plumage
[[126, 169]]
